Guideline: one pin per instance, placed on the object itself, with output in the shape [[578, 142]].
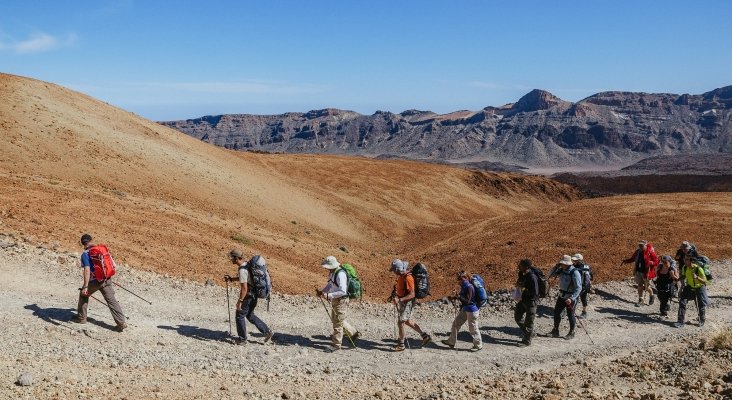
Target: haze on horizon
[[168, 63]]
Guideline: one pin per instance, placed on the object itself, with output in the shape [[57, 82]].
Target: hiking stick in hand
[[110, 308]]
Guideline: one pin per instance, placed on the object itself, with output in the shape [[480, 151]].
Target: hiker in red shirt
[[646, 262]]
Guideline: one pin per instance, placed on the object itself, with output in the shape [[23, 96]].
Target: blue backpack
[[480, 295]]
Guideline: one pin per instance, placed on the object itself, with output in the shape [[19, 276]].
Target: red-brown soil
[[163, 201]]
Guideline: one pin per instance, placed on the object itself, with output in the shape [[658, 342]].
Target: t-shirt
[[86, 263], [404, 285], [243, 273]]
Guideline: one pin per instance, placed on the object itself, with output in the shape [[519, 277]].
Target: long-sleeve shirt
[[570, 284], [467, 293], [529, 284], [337, 286]]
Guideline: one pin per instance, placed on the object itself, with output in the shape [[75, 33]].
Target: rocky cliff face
[[538, 130]]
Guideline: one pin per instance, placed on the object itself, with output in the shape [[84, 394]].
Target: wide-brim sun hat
[[566, 260], [578, 257], [330, 262]]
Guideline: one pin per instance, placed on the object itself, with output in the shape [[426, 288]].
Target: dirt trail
[[178, 348]]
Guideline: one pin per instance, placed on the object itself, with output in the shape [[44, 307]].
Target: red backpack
[[102, 261]]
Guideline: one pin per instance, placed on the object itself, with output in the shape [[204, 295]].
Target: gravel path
[[178, 347]]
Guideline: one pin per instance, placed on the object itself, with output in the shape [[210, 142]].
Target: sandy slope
[[167, 202], [178, 348]]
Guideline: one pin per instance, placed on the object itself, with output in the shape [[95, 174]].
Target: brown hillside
[[167, 202]]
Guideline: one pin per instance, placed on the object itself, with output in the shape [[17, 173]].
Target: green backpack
[[354, 283]]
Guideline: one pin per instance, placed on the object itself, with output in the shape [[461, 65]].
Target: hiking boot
[[584, 314], [701, 324], [525, 342], [639, 303], [651, 300], [399, 347], [333, 348], [570, 335], [425, 339], [356, 336], [447, 343], [79, 320], [121, 327], [679, 325], [476, 348], [555, 333], [240, 342], [268, 336]]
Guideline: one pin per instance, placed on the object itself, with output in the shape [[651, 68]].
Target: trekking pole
[[131, 292], [348, 334], [228, 306], [571, 309], [110, 308]]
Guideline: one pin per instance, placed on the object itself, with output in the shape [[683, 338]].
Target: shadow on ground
[[62, 316]]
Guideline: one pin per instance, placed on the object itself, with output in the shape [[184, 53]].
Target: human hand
[[394, 300], [568, 302], [318, 292], [238, 305], [85, 291]]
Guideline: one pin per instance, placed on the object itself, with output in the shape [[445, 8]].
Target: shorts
[[640, 279], [405, 310]]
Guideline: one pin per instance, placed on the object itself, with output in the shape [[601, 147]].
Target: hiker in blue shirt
[[469, 312], [570, 287]]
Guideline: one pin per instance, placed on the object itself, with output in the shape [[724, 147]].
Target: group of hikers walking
[[686, 274]]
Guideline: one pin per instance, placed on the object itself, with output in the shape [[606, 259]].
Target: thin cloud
[[38, 43]]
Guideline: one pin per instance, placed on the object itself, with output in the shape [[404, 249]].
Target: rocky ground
[[179, 346]]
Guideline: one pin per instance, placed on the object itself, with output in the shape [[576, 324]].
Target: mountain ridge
[[539, 130]]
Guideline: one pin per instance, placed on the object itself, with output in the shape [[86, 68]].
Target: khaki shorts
[[405, 310], [640, 279]]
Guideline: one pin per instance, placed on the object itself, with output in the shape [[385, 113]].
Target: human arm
[[700, 276], [242, 295], [577, 284], [86, 273], [410, 290]]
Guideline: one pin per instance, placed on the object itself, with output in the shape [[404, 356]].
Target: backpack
[[421, 281], [355, 289], [543, 282], [586, 273], [480, 296], [261, 282], [705, 263], [104, 266]]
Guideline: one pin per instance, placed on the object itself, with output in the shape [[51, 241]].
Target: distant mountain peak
[[537, 100]]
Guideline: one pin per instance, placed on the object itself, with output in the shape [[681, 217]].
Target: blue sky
[[184, 59]]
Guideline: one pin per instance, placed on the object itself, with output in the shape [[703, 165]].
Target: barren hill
[[171, 203], [168, 202], [539, 130]]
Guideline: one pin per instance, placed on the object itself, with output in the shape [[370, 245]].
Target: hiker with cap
[[645, 261], [336, 292], [586, 273], [570, 287], [404, 299], [525, 311], [684, 249], [666, 277], [695, 288], [469, 312], [247, 300], [95, 279]]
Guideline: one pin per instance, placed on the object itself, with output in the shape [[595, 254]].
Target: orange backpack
[[104, 267]]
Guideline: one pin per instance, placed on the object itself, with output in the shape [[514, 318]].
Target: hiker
[[404, 298], [586, 273], [695, 288], [570, 287], [666, 277], [525, 311], [336, 291], [645, 261], [684, 249], [247, 300], [469, 312], [94, 281]]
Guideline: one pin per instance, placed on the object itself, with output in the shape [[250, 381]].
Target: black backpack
[[543, 282], [421, 281]]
